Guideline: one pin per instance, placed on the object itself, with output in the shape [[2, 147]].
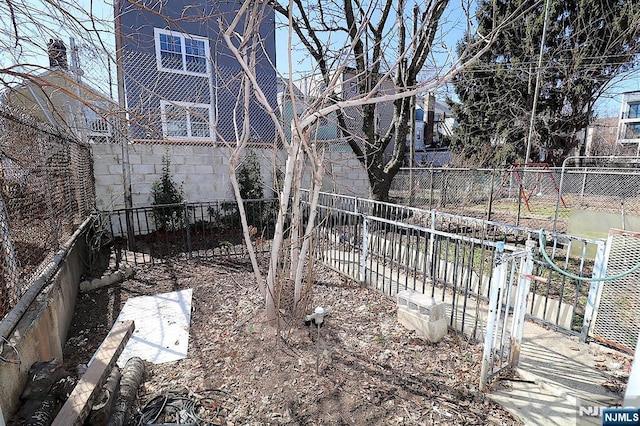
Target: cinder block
[[423, 314], [433, 331], [144, 169], [425, 305]]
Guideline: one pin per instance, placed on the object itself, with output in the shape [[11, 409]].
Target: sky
[[454, 23]]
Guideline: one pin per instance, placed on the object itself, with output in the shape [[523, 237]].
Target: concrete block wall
[[345, 175], [203, 172]]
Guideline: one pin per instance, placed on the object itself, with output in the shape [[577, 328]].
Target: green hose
[[543, 244]]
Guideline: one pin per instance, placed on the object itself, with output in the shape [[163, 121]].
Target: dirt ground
[[361, 368]]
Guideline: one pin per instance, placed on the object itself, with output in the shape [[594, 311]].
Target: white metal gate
[[507, 307], [616, 318]]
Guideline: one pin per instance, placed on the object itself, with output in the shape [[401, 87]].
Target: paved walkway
[[558, 376]]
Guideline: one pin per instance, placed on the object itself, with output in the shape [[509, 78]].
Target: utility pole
[[538, 78], [412, 117], [533, 108], [123, 125]]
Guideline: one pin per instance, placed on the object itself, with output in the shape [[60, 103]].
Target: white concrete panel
[[162, 327]]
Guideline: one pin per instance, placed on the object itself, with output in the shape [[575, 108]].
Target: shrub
[[168, 199], [250, 178]]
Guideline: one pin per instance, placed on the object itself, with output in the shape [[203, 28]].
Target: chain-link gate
[[617, 315], [512, 274]]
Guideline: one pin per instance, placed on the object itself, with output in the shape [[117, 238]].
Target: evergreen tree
[[588, 43]]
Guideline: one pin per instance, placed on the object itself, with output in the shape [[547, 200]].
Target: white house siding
[[203, 172]]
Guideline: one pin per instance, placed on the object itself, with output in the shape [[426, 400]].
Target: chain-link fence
[[200, 108], [563, 199], [47, 190]]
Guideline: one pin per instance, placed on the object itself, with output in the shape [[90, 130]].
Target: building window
[[632, 131], [182, 53], [634, 110], [98, 127], [182, 120]]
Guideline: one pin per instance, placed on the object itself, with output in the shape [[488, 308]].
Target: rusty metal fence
[[47, 190], [534, 196]]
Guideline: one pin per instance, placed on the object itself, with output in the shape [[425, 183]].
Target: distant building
[[59, 97], [602, 137], [326, 128], [313, 87], [433, 120], [434, 128], [629, 125]]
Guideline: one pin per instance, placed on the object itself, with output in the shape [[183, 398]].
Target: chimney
[[428, 120], [57, 53]]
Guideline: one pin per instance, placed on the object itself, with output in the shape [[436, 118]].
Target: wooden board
[[78, 406]]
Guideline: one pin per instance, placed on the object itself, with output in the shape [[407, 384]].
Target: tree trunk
[[380, 185]]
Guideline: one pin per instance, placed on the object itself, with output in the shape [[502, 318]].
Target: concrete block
[[152, 159], [115, 169], [144, 169], [421, 303], [177, 160], [135, 159], [101, 168], [424, 314], [200, 169], [433, 331], [107, 181]]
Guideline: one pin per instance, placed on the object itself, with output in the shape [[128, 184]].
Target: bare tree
[[383, 62], [373, 89], [381, 57]]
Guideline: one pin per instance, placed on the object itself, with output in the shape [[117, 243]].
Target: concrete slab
[[563, 380], [537, 406], [162, 327]]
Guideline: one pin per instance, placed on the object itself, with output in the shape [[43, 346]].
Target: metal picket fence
[[462, 244], [204, 230], [47, 191]]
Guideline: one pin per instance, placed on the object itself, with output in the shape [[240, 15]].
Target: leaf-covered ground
[[360, 368]]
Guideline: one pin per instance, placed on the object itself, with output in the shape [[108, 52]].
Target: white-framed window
[[182, 53], [185, 120]]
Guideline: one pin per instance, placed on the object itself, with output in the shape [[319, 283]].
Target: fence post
[[432, 255], [490, 206], [187, 230], [497, 282], [431, 191], [520, 308], [595, 289], [363, 251]]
